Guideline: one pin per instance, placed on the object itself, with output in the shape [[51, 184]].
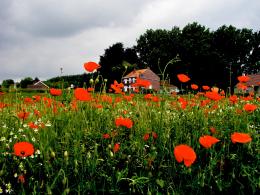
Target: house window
[[125, 81], [125, 88]]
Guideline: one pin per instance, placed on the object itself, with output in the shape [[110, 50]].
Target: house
[[166, 86], [253, 85], [145, 74], [39, 85]]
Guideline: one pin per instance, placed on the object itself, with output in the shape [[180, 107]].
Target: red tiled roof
[[135, 73], [254, 80]]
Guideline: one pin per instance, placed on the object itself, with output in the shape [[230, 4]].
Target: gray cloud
[[38, 37], [53, 18]]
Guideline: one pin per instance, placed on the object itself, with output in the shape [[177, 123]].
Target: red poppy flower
[[127, 98], [207, 141], [90, 89], [142, 83], [148, 96], [213, 96], [243, 79], [82, 94], [116, 147], [106, 136], [250, 107], [213, 130], [194, 86], [222, 92], [205, 87], [126, 122], [185, 153], [183, 102], [106, 98], [21, 179], [2, 105], [240, 138], [117, 87], [28, 100], [155, 135], [32, 125], [215, 89], [36, 98], [233, 99], [37, 113], [241, 86], [183, 78], [23, 149], [23, 115], [55, 92], [155, 99], [91, 66], [146, 136]]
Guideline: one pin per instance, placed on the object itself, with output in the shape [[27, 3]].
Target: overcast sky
[[38, 37]]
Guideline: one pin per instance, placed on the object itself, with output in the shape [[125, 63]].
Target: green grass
[[72, 156]]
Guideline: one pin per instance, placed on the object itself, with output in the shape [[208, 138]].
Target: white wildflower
[[2, 139], [48, 124], [37, 151], [20, 130]]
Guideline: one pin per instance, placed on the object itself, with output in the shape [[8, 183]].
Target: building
[[253, 85], [145, 74], [38, 86], [166, 86]]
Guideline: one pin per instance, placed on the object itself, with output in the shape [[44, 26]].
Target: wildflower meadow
[[83, 141]]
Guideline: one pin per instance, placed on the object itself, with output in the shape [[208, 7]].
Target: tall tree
[[196, 53], [157, 47], [233, 47], [26, 81], [7, 83], [253, 64], [113, 62]]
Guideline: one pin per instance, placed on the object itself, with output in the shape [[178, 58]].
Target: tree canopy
[[208, 57]]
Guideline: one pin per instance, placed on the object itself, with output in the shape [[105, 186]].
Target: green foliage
[[25, 82], [7, 83], [113, 62], [208, 57], [71, 155]]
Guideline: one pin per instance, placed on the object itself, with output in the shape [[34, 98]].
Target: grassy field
[[129, 144]]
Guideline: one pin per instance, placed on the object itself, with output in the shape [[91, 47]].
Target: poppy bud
[[111, 154], [97, 80], [67, 191], [66, 154], [91, 81], [64, 181], [53, 154], [105, 80]]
